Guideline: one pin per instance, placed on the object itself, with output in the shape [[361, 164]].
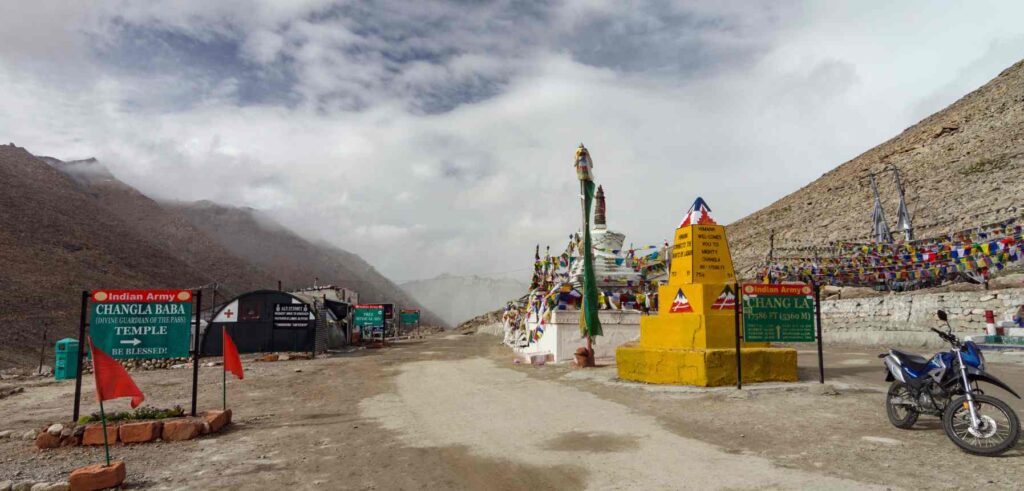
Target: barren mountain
[[962, 166], [166, 227], [294, 260], [66, 227], [460, 298], [56, 240]]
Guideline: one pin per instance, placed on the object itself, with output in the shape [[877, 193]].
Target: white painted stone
[[55, 429]]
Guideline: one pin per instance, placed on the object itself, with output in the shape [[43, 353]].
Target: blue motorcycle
[[947, 386]]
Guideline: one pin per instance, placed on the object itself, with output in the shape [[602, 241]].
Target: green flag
[[590, 324]]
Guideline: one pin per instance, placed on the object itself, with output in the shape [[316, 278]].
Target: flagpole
[[103, 415], [106, 444], [583, 209]]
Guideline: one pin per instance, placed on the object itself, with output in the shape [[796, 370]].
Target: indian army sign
[[141, 323]]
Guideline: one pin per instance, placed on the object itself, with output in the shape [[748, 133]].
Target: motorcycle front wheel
[[899, 406], [998, 429]]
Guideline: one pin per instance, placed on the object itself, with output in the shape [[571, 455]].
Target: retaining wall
[[904, 319]]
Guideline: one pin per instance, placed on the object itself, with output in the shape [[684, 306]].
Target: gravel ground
[[454, 412]]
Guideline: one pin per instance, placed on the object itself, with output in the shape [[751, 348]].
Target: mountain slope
[[56, 240], [459, 298], [962, 166], [165, 227], [294, 260]]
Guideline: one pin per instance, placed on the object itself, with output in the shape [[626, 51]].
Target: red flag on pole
[[112, 380], [232, 362]]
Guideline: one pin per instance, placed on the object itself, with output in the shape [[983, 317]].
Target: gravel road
[[454, 412]]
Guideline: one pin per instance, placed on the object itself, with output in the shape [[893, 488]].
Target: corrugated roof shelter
[[263, 321]]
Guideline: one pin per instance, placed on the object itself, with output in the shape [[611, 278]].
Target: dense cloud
[[436, 137]]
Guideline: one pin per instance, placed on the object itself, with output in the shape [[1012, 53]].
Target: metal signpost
[[131, 324], [783, 313]]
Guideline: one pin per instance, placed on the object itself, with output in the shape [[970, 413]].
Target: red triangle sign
[[725, 301], [680, 304]]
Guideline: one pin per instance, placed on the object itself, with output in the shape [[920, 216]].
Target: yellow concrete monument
[[692, 340]]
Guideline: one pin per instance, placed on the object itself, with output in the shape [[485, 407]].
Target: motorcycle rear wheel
[[999, 431], [902, 416]]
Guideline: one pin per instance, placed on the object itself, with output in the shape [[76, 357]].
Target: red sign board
[[142, 296], [796, 290]]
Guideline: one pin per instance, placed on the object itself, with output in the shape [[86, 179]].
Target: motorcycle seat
[[911, 361]]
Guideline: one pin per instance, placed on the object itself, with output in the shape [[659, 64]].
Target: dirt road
[[453, 412]]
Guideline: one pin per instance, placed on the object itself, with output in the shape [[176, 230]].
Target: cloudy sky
[[437, 137]]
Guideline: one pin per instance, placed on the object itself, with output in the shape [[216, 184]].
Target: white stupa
[[610, 268]]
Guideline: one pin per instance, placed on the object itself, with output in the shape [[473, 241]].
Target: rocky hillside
[[962, 166], [57, 239], [71, 226], [459, 298], [166, 227]]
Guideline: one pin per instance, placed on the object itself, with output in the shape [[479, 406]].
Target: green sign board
[[129, 324], [778, 313], [368, 316], [408, 317]]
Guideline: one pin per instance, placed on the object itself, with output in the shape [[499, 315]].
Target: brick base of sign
[[142, 432], [137, 432], [217, 419], [98, 476], [181, 429], [94, 434]]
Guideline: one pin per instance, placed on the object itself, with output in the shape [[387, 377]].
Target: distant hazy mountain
[[460, 298]]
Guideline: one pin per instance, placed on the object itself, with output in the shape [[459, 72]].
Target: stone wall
[[904, 319]]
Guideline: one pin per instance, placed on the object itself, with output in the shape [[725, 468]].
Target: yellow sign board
[[701, 255]]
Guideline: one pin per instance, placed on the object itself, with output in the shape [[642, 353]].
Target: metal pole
[[195, 352], [739, 362], [817, 314], [81, 354], [106, 444], [42, 353]]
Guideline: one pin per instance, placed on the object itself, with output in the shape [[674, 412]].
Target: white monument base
[[561, 335]]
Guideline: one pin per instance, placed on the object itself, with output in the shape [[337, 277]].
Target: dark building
[[264, 321]]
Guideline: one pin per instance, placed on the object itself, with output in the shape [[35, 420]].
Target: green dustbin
[[66, 365]]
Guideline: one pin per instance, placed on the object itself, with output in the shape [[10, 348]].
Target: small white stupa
[[610, 263]]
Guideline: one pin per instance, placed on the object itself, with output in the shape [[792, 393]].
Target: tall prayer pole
[[590, 324]]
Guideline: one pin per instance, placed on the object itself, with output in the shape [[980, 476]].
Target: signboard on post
[[778, 313], [130, 324], [409, 317], [368, 315], [370, 319], [291, 316]]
